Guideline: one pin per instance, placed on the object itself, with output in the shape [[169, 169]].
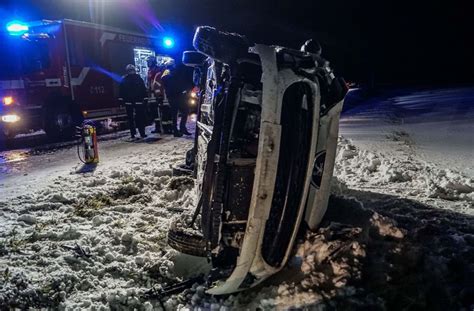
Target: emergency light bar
[[16, 28], [168, 42]]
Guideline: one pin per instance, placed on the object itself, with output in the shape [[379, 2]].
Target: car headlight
[[194, 94], [192, 102], [10, 118], [7, 100]]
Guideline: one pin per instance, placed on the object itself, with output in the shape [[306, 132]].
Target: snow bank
[[402, 174]]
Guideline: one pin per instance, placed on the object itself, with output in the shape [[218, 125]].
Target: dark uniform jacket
[[171, 83], [132, 89]]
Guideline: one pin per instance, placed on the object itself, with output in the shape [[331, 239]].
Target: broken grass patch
[[90, 206], [125, 191]]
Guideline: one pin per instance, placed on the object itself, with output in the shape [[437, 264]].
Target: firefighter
[[133, 95], [176, 95], [156, 94]]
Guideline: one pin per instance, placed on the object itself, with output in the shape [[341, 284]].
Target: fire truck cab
[[55, 74]]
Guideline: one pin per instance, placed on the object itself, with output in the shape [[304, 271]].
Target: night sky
[[388, 42]]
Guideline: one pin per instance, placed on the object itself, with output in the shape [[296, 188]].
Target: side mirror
[[193, 58]]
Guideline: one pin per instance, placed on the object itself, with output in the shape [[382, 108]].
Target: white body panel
[[327, 141], [275, 83]]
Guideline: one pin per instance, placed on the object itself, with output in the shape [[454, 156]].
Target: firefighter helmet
[[312, 46], [130, 69]]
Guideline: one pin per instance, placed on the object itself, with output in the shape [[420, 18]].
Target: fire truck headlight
[[194, 95], [10, 118], [7, 101], [192, 102]]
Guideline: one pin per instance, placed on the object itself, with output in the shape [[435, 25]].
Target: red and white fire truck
[[54, 74]]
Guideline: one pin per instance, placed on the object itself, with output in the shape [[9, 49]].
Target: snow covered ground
[[435, 124], [398, 234]]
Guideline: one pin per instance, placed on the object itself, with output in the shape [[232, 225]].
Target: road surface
[[24, 169]]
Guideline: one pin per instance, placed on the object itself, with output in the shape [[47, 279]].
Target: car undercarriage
[[266, 138]]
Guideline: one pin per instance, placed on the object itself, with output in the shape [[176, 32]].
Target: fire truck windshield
[[9, 59], [19, 57]]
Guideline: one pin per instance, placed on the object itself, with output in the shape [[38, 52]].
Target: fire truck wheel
[[60, 119], [222, 46], [193, 58], [6, 138], [186, 242]]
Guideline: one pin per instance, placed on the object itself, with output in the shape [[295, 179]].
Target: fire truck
[[55, 74]]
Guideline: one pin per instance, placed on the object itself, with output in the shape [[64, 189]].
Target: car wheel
[[187, 242], [222, 46]]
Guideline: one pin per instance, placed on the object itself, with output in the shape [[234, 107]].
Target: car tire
[[193, 58], [222, 46], [61, 116], [186, 242]]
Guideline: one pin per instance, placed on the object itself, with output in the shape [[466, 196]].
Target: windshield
[[19, 56], [9, 59]]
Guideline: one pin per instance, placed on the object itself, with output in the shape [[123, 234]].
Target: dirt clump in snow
[[181, 181], [89, 206]]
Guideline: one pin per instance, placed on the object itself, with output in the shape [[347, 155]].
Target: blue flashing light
[[17, 28], [168, 42]]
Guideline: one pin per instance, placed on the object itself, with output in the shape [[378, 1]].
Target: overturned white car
[[266, 139]]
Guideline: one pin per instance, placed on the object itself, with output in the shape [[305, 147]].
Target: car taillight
[[7, 100]]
